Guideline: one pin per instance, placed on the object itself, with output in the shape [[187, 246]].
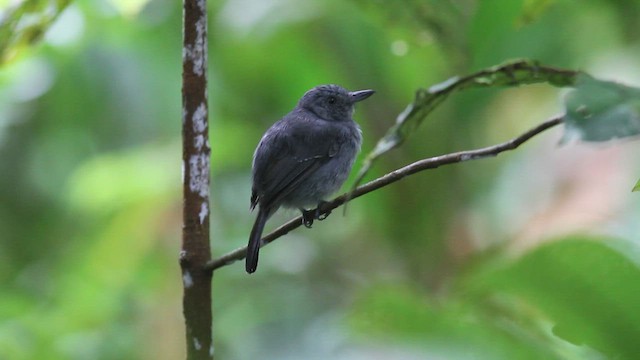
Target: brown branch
[[196, 250], [390, 178]]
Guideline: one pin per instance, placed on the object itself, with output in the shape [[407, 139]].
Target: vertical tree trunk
[[196, 250]]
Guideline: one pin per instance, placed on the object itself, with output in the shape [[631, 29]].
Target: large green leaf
[[588, 290], [447, 330]]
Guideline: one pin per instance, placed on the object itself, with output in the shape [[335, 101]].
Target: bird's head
[[332, 102]]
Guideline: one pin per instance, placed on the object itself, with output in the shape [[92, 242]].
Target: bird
[[303, 158]]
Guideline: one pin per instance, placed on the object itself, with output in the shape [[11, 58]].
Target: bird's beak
[[360, 95]]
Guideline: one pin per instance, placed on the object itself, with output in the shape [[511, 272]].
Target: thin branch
[[396, 175]]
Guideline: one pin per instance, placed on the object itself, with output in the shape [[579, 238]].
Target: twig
[[424, 164]]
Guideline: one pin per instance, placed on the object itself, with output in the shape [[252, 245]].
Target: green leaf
[[447, 330], [589, 290], [601, 110], [511, 74], [637, 186]]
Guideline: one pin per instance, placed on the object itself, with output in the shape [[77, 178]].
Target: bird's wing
[[286, 158]]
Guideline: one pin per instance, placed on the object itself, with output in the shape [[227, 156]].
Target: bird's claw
[[320, 213], [323, 211], [307, 218]]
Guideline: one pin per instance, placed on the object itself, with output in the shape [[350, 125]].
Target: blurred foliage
[[584, 287], [477, 261], [24, 23]]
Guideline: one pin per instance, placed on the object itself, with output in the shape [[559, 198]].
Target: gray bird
[[304, 157]]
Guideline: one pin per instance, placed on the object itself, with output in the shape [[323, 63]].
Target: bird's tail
[[254, 241]]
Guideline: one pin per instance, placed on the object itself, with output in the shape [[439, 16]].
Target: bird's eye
[[331, 99]]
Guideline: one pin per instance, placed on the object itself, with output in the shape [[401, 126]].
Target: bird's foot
[[322, 211], [307, 217], [319, 213]]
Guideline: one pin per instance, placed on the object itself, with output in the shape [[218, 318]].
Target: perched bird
[[304, 157]]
